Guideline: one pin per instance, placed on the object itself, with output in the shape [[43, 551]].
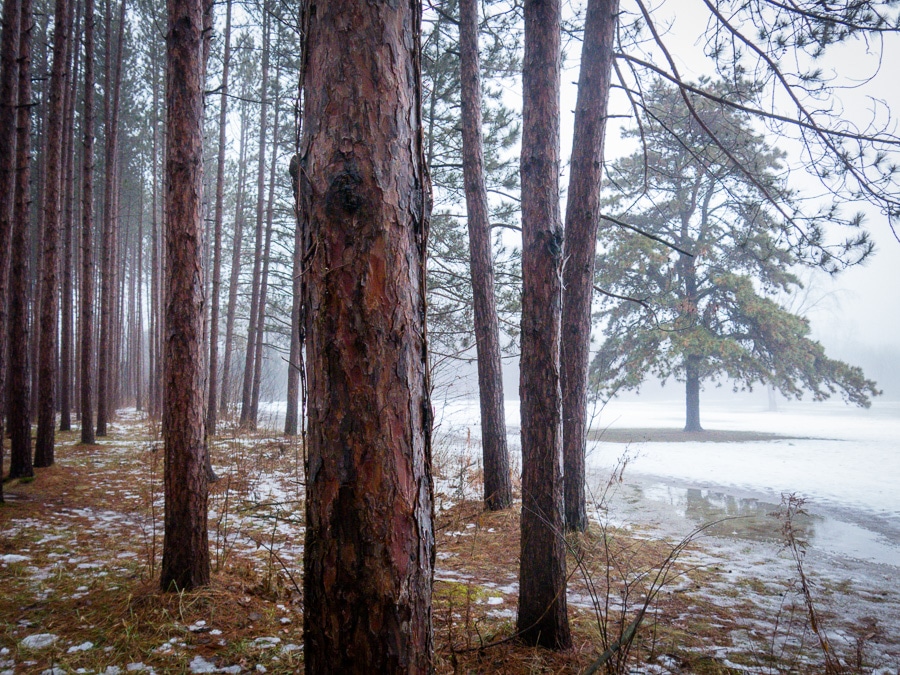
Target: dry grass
[[90, 528]]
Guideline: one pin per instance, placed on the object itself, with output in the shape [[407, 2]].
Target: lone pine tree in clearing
[[709, 308]]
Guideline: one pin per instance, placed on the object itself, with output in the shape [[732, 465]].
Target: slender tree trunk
[[9, 51], [65, 349], [155, 376], [47, 366], [18, 393], [86, 319], [582, 223], [264, 279], [231, 309], [497, 487], [185, 562], [542, 573], [106, 354], [366, 196], [212, 408], [139, 319], [295, 355], [247, 388]]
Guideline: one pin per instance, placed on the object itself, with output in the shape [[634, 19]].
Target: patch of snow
[[112, 670], [83, 647], [266, 642], [13, 558], [38, 641], [291, 647], [494, 600], [55, 670], [201, 665]]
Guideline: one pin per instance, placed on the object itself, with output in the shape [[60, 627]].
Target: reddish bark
[[542, 574], [185, 563], [582, 223], [9, 47], [18, 395], [497, 487], [47, 363], [86, 320], [369, 550]]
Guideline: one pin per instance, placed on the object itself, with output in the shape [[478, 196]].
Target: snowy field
[[843, 460]]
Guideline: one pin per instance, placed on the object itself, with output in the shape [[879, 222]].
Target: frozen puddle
[[829, 529]]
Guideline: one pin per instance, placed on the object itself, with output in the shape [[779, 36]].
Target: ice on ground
[[38, 641]]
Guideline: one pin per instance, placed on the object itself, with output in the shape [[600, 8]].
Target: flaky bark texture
[[19, 394], [582, 222], [185, 563], [497, 488], [542, 573], [9, 47], [47, 362], [369, 540], [86, 318]]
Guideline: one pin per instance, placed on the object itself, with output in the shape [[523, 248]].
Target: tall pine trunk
[[9, 74], [18, 392], [212, 408], [86, 317], [185, 563], [247, 386], [369, 552], [542, 573], [264, 279], [237, 241], [497, 487], [68, 291], [106, 355], [582, 223], [47, 364]]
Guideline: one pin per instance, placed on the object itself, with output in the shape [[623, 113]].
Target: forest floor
[[79, 561]]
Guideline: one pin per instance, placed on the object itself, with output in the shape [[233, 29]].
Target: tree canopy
[[697, 298]]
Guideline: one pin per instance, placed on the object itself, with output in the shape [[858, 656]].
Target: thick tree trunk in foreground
[[692, 393], [582, 223], [9, 51], [47, 363], [542, 574], [369, 540], [86, 319], [497, 487], [213, 402], [185, 563]]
